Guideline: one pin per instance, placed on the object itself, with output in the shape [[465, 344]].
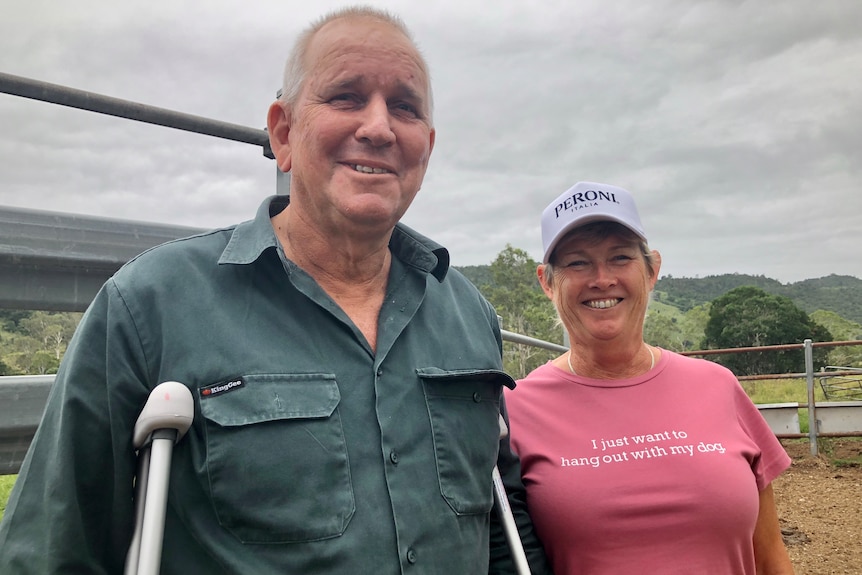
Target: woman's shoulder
[[537, 380], [544, 373], [697, 364]]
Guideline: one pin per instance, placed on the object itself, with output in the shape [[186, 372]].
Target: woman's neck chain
[[649, 349]]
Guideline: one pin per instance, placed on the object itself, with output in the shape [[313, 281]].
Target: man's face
[[360, 131]]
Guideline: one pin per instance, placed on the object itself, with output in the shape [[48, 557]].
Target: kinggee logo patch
[[222, 387]]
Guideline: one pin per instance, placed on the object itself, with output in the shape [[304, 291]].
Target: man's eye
[[344, 98], [406, 108]]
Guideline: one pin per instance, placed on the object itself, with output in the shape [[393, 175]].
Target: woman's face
[[600, 286]]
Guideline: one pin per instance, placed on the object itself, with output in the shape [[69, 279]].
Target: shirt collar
[[251, 238]]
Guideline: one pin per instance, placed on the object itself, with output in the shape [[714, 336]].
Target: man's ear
[[278, 120], [432, 137]]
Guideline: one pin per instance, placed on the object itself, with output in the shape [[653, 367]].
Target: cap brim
[[592, 218]]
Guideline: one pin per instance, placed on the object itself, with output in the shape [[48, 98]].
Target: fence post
[[812, 415]]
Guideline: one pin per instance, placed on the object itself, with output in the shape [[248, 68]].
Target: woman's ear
[[545, 280], [656, 268], [278, 121]]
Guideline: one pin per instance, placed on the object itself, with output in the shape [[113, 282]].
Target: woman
[[636, 459]]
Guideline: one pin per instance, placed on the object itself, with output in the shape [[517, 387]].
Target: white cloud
[[735, 124]]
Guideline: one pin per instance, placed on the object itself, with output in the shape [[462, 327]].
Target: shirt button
[[477, 397], [411, 556], [393, 457]]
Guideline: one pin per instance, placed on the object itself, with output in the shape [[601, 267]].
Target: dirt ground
[[820, 508]]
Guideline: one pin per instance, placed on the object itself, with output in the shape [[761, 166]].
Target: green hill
[[686, 293], [836, 293]]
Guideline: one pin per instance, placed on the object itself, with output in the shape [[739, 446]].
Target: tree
[[5, 369], [842, 330], [33, 342], [749, 317], [515, 293], [10, 318], [694, 326], [53, 330], [662, 328]]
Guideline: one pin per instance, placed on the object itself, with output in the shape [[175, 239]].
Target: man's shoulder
[[455, 276], [170, 258]]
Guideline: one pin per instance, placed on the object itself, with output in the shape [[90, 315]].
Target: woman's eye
[[577, 264]]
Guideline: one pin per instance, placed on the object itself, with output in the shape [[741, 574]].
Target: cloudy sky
[[737, 125]]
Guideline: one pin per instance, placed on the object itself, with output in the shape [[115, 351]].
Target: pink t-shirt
[[656, 474]]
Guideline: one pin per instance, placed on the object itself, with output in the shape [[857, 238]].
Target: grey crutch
[[504, 510], [166, 417]]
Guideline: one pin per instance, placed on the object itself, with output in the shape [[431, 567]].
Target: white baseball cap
[[585, 203]]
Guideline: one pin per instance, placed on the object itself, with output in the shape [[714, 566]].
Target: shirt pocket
[[276, 460], [464, 409]]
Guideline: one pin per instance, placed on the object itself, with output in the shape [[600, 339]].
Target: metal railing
[[83, 100], [850, 414], [23, 398], [57, 262], [839, 382]]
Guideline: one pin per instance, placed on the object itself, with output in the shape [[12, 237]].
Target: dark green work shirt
[[326, 457]]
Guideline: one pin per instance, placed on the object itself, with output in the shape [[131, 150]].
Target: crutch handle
[[170, 406], [165, 419]]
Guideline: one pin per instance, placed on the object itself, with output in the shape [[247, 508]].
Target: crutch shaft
[[152, 532], [504, 511], [141, 477]]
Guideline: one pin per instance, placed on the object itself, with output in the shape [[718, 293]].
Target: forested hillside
[[33, 342], [680, 309], [837, 293]]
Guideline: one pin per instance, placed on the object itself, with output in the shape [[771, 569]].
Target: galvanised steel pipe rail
[[81, 99], [780, 347], [513, 337], [57, 262], [22, 401]]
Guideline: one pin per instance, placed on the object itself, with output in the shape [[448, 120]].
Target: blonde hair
[[597, 231]]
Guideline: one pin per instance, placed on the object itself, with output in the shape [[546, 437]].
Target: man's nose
[[376, 123]]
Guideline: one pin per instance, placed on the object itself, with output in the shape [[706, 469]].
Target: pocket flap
[[271, 397], [445, 375]]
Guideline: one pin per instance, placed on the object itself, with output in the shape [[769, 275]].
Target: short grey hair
[[295, 71]]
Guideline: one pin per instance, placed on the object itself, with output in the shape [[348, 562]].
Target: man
[[359, 429]]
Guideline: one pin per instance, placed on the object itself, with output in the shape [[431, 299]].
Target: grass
[[781, 391], [784, 391], [6, 482], [846, 458], [796, 390]]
